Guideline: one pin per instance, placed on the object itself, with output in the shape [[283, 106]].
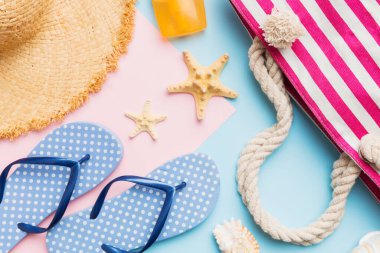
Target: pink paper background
[[152, 64]]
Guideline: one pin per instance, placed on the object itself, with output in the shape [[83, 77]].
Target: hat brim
[[53, 73]]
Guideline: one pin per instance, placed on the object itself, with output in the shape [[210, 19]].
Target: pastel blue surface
[[127, 220], [34, 191], [295, 180]]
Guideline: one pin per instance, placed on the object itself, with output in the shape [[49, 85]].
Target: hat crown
[[19, 20]]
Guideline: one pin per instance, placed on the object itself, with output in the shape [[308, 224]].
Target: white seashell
[[370, 243], [233, 237]]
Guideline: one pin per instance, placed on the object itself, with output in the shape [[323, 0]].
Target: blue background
[[294, 181]]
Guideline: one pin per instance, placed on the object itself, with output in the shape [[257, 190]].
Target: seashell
[[370, 243], [233, 237]]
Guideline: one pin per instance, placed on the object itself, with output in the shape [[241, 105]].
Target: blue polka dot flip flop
[[171, 200], [67, 163]]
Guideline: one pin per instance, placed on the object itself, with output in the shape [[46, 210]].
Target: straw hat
[[53, 53]]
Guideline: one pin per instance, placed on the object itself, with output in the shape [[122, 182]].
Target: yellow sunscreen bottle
[[180, 17]]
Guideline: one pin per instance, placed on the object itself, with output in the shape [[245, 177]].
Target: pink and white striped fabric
[[333, 69]]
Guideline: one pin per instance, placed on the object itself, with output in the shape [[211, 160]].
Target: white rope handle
[[344, 174]]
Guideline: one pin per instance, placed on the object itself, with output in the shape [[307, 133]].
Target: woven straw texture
[[53, 54]]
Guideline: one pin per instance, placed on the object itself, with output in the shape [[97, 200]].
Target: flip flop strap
[[54, 161], [168, 189]]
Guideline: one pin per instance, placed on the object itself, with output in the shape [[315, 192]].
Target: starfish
[[203, 83], [145, 121]]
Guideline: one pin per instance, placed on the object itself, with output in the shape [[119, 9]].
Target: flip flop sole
[[127, 221], [32, 192]]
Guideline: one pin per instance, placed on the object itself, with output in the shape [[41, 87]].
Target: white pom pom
[[282, 28]]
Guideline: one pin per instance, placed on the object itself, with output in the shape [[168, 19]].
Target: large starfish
[[145, 121], [203, 83]]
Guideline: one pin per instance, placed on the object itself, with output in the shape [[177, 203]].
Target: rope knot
[[370, 149], [344, 174], [282, 29]]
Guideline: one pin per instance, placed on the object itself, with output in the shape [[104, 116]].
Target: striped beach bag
[[326, 56]]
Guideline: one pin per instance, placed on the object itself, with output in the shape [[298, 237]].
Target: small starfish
[[145, 121], [203, 83]]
